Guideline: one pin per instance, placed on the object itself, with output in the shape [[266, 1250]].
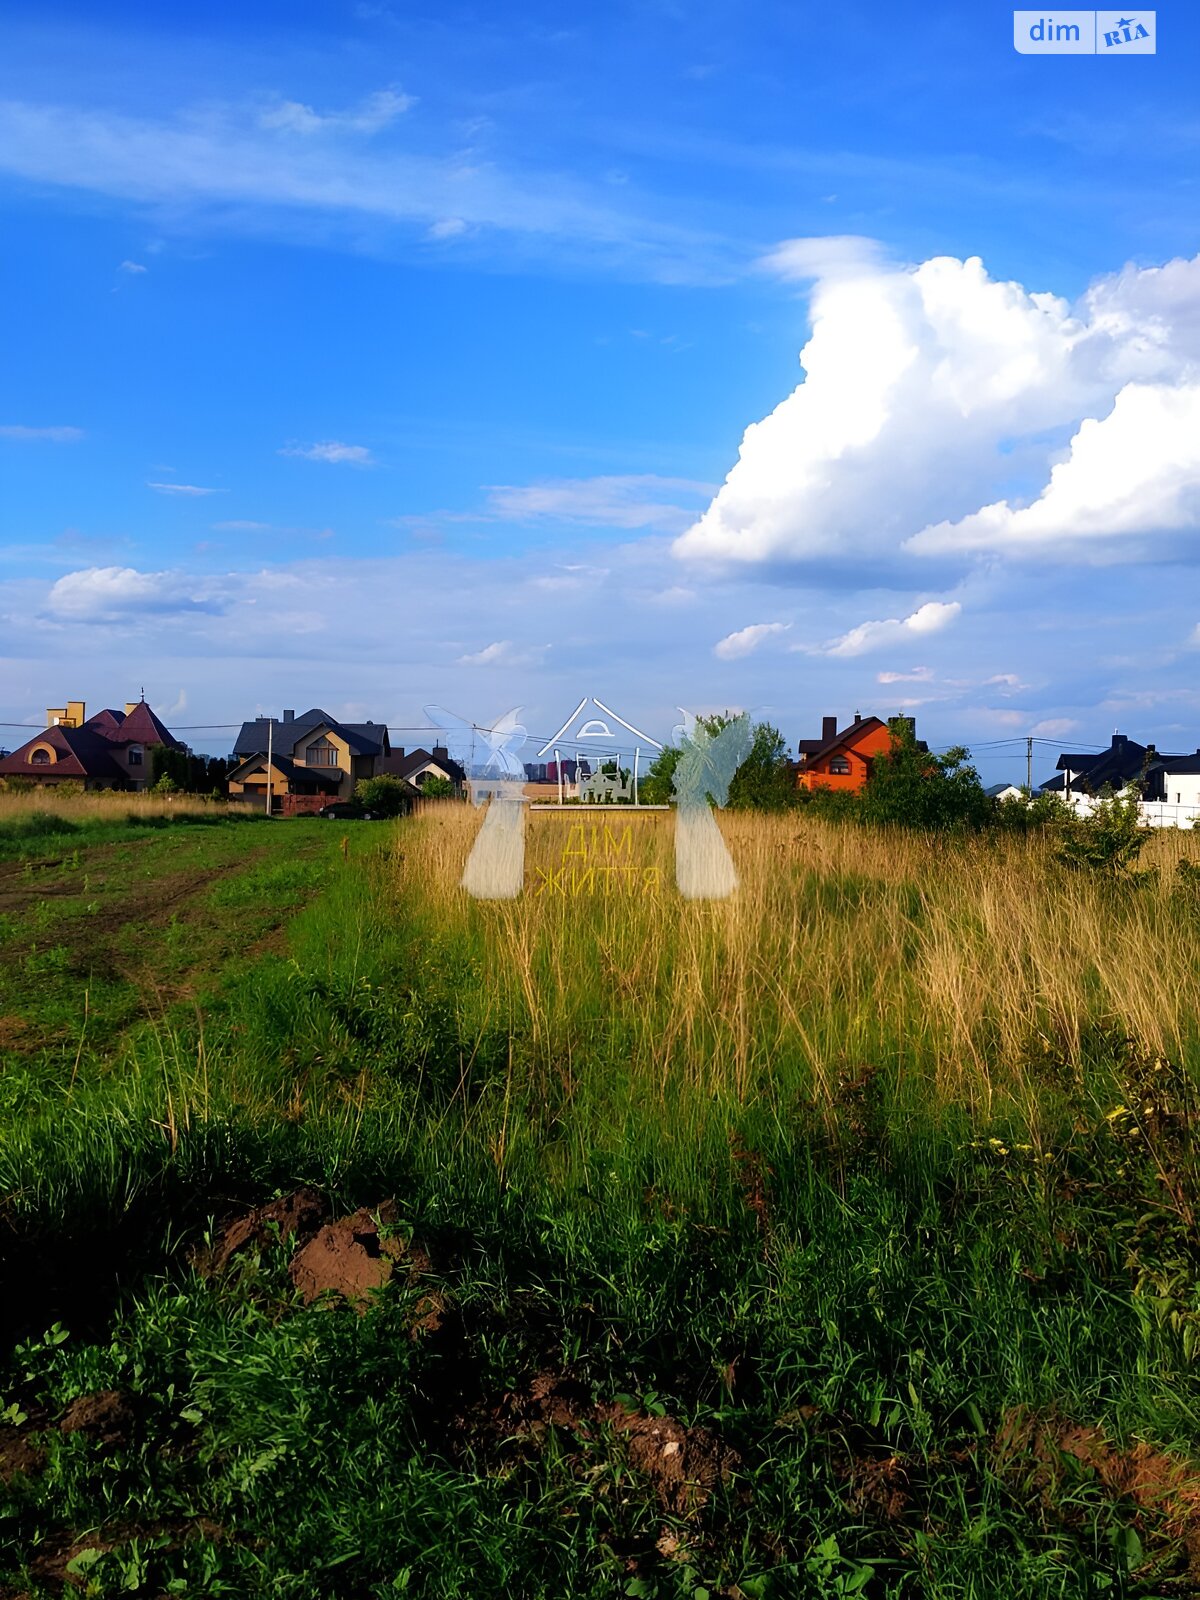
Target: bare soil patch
[[355, 1255], [294, 1219]]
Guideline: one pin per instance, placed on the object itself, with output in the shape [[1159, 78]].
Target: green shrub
[[385, 795], [1111, 838]]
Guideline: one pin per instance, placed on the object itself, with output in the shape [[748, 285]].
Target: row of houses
[[304, 762]]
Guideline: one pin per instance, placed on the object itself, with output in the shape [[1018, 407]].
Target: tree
[[913, 788], [386, 795], [655, 787], [763, 782], [438, 788]]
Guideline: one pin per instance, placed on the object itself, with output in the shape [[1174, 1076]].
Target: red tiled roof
[[141, 726]]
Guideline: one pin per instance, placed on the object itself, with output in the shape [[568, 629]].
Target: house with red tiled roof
[[844, 760], [110, 750]]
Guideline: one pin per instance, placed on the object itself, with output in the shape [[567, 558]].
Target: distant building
[[1087, 772], [1168, 785], [110, 750], [313, 759], [419, 765], [844, 760]]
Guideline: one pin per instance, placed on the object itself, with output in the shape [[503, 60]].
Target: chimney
[[398, 751], [130, 707], [1119, 741], [440, 753], [289, 716], [828, 729]]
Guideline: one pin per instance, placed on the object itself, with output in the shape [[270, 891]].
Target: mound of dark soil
[[357, 1254], [106, 1417], [296, 1218]]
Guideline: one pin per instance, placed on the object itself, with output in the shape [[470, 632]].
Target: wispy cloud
[[333, 451], [182, 488], [917, 675], [133, 267], [827, 256], [369, 116], [17, 430], [640, 500], [254, 161]]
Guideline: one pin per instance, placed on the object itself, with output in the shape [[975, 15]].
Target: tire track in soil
[[91, 941]]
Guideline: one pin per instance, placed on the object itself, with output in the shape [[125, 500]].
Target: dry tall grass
[[99, 805], [972, 968]]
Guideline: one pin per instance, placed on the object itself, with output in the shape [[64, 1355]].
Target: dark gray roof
[[293, 771], [364, 738], [1125, 761], [404, 766], [1184, 765], [1076, 761]]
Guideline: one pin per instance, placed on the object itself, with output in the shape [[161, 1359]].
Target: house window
[[134, 757], [40, 758], [321, 753], [841, 766]]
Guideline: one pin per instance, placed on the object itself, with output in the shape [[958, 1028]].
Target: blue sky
[[368, 355]]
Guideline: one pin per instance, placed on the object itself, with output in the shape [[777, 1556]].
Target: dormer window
[[134, 755], [41, 757], [321, 753]]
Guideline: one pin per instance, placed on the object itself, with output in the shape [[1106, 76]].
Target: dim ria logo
[[1085, 33]]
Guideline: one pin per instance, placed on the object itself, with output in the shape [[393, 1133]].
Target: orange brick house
[[843, 760]]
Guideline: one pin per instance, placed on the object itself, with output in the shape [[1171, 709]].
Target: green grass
[[859, 1278]]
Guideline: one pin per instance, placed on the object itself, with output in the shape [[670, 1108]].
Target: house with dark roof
[[1086, 773], [1173, 782], [419, 765], [844, 760], [1168, 785], [110, 750], [313, 758]]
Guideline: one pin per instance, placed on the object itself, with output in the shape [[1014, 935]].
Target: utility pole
[[270, 750], [1029, 762]]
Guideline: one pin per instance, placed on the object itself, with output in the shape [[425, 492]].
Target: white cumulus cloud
[[107, 594], [746, 640], [504, 653], [930, 391], [1135, 472], [932, 617]]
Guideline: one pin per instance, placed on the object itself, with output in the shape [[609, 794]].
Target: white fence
[[1155, 813]]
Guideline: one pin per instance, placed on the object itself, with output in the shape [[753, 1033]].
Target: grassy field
[[838, 1239]]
